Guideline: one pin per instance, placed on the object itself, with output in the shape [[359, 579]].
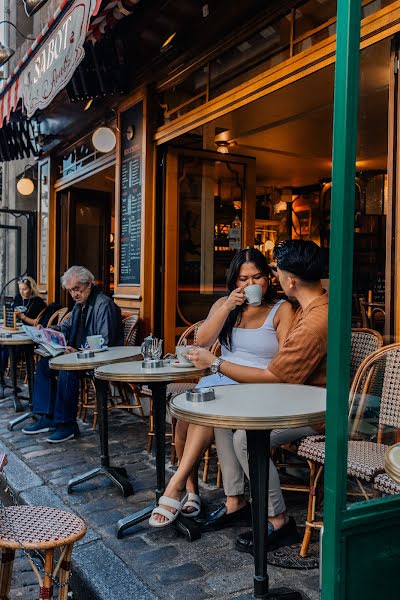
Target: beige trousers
[[232, 454]]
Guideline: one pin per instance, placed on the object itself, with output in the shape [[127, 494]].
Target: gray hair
[[83, 275]]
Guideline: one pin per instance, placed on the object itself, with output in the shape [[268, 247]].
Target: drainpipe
[[5, 165]]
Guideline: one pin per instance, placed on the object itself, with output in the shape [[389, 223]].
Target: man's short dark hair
[[300, 257]]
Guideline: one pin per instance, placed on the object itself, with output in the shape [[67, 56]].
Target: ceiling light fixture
[[222, 147], [168, 40], [88, 104]]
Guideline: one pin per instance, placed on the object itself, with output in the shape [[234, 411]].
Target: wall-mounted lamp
[[25, 184], [32, 6], [6, 53], [105, 140]]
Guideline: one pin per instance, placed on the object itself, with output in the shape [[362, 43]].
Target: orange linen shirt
[[302, 358]]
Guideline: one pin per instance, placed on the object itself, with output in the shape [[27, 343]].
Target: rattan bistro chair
[[363, 342], [44, 529], [376, 390], [57, 317]]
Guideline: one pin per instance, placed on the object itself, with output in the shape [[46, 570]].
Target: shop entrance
[[208, 218], [85, 230]]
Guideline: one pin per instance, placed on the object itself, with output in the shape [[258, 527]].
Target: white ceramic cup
[[95, 341], [180, 351], [253, 294]]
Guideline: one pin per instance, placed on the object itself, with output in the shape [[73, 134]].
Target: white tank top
[[249, 347]]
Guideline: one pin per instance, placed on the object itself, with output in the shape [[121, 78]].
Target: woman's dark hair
[[248, 255], [300, 257]]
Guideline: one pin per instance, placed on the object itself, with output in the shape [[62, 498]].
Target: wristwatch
[[214, 368]]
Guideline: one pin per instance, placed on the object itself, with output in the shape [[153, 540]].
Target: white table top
[[255, 406], [134, 373], [18, 338], [71, 362]]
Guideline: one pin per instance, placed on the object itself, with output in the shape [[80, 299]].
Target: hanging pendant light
[[32, 6]]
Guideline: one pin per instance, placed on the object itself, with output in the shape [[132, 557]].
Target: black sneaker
[[284, 536]]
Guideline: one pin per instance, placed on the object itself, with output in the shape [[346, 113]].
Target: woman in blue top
[[249, 335]]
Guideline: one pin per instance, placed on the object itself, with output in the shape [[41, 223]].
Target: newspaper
[[53, 342]]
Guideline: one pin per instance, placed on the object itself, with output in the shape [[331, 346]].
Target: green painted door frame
[[361, 544]]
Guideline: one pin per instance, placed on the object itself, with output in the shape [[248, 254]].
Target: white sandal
[[193, 501], [159, 510]]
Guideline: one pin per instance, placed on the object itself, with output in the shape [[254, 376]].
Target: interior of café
[[261, 174]]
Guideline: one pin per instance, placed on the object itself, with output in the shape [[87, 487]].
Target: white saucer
[[180, 365], [99, 349]]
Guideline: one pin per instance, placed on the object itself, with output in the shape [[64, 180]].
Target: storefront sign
[[55, 61], [131, 195]]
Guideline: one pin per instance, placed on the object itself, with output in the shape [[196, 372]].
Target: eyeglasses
[[25, 280]]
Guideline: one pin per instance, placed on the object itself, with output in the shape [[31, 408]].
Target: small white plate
[[180, 365], [99, 349]]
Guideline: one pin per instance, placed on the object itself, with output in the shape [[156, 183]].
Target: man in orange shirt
[[302, 359]]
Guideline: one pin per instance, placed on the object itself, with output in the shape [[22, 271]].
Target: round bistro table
[[71, 362], [157, 380], [18, 342], [258, 409]]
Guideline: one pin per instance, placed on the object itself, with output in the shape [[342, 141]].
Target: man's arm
[[203, 359]]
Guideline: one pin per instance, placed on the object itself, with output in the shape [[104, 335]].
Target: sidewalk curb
[[97, 573]]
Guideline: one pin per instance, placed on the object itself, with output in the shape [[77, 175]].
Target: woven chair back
[[363, 343], [130, 325], [37, 320], [376, 386], [57, 317], [65, 318]]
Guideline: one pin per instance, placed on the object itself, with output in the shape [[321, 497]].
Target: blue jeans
[[58, 400]]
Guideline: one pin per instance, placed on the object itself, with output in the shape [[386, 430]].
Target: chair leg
[[64, 572], [173, 448], [6, 567], [315, 474], [46, 590], [206, 459], [219, 476], [150, 434]]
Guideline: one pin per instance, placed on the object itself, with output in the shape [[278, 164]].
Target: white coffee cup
[[95, 341], [253, 294], [180, 351]]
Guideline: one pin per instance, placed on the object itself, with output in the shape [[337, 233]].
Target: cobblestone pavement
[[167, 565]]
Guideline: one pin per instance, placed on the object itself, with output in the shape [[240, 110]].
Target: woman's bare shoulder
[[285, 310]]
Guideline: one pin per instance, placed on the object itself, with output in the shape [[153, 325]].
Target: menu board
[[131, 195], [9, 316]]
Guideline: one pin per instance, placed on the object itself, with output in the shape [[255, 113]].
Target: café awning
[[50, 62]]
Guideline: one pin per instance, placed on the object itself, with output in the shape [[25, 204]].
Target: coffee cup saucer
[[102, 349], [180, 365]]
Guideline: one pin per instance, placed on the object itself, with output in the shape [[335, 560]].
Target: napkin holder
[[200, 394], [152, 363], [85, 354]]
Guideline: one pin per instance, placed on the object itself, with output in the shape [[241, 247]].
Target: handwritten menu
[[131, 195], [8, 313]]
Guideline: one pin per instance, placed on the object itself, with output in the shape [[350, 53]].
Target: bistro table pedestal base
[[186, 527], [258, 445], [117, 475], [20, 419]]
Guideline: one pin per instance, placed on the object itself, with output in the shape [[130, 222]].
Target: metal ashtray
[[6, 335], [200, 394], [152, 364], [85, 354]]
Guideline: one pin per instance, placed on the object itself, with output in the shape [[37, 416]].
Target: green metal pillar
[[340, 289]]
